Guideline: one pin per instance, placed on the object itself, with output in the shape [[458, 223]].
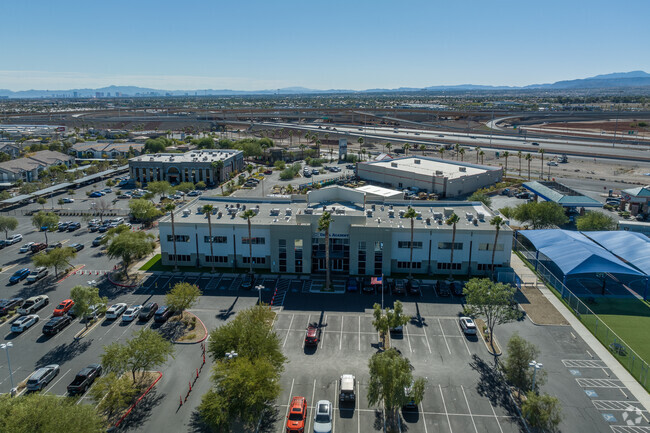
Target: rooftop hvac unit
[[340, 211], [437, 215], [438, 172], [393, 164], [309, 211], [428, 221], [275, 212], [391, 213], [418, 215], [369, 213], [480, 216], [373, 207], [475, 222], [186, 212], [219, 215], [416, 161], [448, 211], [287, 211], [378, 220], [390, 207], [237, 205], [463, 169], [469, 216], [401, 213], [243, 207]]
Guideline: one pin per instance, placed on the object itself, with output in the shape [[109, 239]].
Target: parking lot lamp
[[259, 288], [536, 366], [6, 347]]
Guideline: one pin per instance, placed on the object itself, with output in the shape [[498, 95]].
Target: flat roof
[[378, 190], [204, 155], [430, 166], [560, 194]]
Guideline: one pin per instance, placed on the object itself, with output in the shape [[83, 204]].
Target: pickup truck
[[84, 379]]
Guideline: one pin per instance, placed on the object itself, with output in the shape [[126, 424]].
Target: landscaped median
[[188, 329]]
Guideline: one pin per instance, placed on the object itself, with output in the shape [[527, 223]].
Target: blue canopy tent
[[573, 253]]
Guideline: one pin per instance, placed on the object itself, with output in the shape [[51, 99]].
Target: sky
[[353, 44]]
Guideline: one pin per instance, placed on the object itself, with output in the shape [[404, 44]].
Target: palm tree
[[324, 225], [411, 214], [423, 148], [389, 147], [363, 152], [452, 221], [457, 149], [170, 207], [441, 151], [519, 155], [462, 153], [541, 173], [529, 158], [207, 210], [506, 155], [307, 136], [497, 222], [317, 148], [360, 141], [478, 151], [302, 150], [247, 215], [482, 156], [291, 137], [406, 148]]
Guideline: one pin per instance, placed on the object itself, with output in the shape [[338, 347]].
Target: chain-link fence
[[621, 350]]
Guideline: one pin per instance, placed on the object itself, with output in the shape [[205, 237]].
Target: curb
[[194, 342], [108, 276], [86, 331], [71, 273], [117, 424]]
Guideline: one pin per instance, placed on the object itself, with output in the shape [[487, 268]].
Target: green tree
[[201, 185], [247, 215], [146, 350], [57, 258], [515, 366], [592, 221], [506, 155], [528, 159], [60, 202], [159, 188], [143, 210], [4, 156], [324, 223], [452, 221], [389, 146], [540, 215], [411, 214], [185, 187], [492, 301], [482, 154], [207, 211], [481, 195], [462, 153], [41, 201], [406, 147], [84, 298], [543, 412], [5, 195], [8, 224], [390, 375], [541, 172], [519, 156], [47, 413], [182, 296], [497, 222], [156, 145], [112, 393], [508, 212], [380, 320], [129, 247]]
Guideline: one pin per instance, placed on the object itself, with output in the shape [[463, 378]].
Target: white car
[[14, 239], [24, 322], [323, 417], [116, 310], [27, 247], [37, 274], [131, 313], [33, 304], [68, 200], [467, 325]]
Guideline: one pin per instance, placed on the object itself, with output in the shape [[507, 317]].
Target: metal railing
[[621, 350]]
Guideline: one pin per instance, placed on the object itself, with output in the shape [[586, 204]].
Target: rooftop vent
[[393, 164], [416, 161], [438, 172], [463, 169], [475, 222], [275, 212], [448, 211], [401, 213], [309, 211], [369, 213], [391, 213], [428, 221], [287, 211]]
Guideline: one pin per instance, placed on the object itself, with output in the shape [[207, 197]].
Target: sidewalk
[[527, 276]]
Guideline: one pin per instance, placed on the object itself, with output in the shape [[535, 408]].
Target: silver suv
[[41, 377]]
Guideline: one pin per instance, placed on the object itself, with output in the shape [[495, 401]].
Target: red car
[[267, 172], [39, 246], [63, 307], [312, 337], [297, 415]]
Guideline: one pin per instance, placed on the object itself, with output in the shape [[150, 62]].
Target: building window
[[179, 238], [447, 245], [216, 259], [282, 255], [485, 266], [449, 266], [489, 247], [254, 241], [256, 260], [417, 245], [297, 251], [378, 262], [405, 265], [216, 239], [180, 257]]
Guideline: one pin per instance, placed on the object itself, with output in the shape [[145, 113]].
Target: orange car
[[297, 415], [63, 307]]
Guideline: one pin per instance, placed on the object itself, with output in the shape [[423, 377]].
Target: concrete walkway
[[528, 277]]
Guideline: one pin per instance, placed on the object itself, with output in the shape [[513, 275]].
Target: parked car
[[14, 239], [65, 306], [77, 247], [56, 324], [315, 172], [268, 172], [367, 286], [323, 417], [33, 304], [456, 288], [248, 282], [194, 193], [67, 200], [312, 336], [63, 226], [37, 274], [53, 246], [96, 194], [352, 285], [94, 221], [297, 415], [148, 311], [399, 287], [442, 289], [350, 166], [38, 246], [410, 401], [535, 144], [131, 313], [413, 287], [19, 275], [26, 247], [115, 311], [6, 305], [162, 314], [107, 190], [74, 226], [98, 240], [467, 325], [41, 377], [24, 322], [3, 243], [84, 379], [93, 228], [347, 386]]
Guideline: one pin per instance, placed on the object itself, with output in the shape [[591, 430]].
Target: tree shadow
[[197, 425], [40, 287], [225, 314], [378, 423], [269, 419], [418, 321], [493, 386], [170, 330], [63, 352], [142, 411]]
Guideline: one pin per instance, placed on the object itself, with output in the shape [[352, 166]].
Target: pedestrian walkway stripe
[[600, 383], [617, 405], [630, 429], [583, 363]]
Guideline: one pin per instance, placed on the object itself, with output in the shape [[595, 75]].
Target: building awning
[[632, 247], [560, 194]]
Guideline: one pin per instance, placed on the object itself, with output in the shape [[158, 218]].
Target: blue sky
[[331, 44]]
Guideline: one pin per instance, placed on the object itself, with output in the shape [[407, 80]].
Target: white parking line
[[468, 408], [464, 341], [444, 405], [308, 321], [58, 380], [336, 400], [287, 336], [321, 337], [117, 321], [359, 333], [426, 338], [424, 421], [406, 330], [495, 416], [311, 407], [600, 383], [341, 335], [443, 336], [288, 403]]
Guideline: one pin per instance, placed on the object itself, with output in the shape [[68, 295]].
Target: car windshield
[[295, 416], [322, 417], [60, 306]]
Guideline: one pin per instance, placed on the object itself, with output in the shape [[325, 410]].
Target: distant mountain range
[[617, 80]]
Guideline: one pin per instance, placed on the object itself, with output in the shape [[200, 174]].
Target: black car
[[56, 324], [456, 288], [148, 311], [77, 247], [3, 243], [442, 289], [74, 226], [7, 305], [248, 282], [162, 314], [93, 227], [399, 288], [413, 287], [84, 379], [366, 286]]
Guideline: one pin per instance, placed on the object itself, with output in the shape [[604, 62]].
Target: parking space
[[225, 283]]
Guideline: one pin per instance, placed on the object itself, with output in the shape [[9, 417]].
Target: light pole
[[259, 288], [6, 347], [536, 366]]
